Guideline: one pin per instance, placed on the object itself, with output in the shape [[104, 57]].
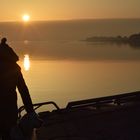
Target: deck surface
[[108, 123]]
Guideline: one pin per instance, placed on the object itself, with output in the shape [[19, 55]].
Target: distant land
[[71, 30], [133, 39]]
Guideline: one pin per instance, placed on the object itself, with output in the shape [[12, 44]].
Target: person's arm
[[36, 122], [24, 92]]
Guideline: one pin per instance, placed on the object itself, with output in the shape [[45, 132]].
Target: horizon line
[[69, 19]]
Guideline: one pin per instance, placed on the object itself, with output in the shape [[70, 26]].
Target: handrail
[[37, 105], [116, 99], [96, 102]]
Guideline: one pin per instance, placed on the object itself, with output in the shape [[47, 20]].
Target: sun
[[25, 17]]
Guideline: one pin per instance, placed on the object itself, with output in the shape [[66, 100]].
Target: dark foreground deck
[[108, 118]]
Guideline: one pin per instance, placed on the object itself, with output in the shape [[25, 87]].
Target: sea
[[59, 65]]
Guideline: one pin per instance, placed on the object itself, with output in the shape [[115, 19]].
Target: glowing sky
[[68, 9]]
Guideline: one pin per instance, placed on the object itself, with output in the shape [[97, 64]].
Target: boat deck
[[108, 118]]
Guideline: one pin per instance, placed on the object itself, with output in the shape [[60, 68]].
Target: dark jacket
[[10, 79]]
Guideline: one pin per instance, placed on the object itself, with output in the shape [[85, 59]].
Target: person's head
[[3, 40], [6, 53]]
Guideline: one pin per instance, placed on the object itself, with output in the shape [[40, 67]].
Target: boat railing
[[96, 102], [36, 106], [118, 99]]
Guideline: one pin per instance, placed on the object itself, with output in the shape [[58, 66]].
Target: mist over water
[[68, 30], [64, 68], [58, 40]]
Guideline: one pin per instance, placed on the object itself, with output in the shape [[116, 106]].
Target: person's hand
[[28, 122], [34, 119]]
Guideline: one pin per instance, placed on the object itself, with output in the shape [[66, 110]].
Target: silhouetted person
[[6, 52], [10, 79]]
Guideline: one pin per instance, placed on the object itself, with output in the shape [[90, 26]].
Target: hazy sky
[[68, 9]]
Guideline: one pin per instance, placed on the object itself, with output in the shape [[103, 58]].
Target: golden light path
[[26, 62]]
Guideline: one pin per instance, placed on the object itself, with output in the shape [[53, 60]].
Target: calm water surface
[[61, 67], [63, 81]]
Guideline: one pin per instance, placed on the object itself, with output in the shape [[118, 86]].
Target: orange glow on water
[[26, 62]]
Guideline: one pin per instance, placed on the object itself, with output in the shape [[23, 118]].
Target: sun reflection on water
[[26, 62]]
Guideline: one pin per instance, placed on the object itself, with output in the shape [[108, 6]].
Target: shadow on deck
[[107, 118]]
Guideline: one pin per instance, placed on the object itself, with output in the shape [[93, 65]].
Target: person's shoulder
[[18, 67]]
